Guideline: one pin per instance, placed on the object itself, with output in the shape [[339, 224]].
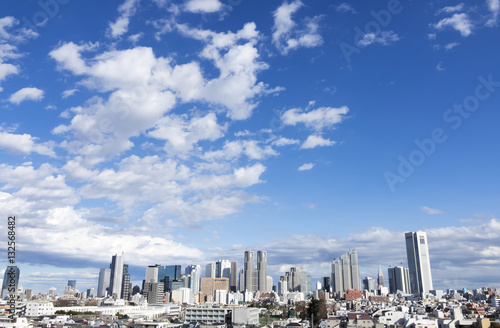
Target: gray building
[[399, 280], [249, 268], [262, 270], [419, 265], [345, 272]]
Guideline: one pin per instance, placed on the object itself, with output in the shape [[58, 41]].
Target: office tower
[[353, 259], [136, 290], [153, 292], [116, 278], [282, 286], [52, 292], [380, 278], [327, 283], [241, 280], [345, 272], [297, 280], [249, 269], [233, 282], [91, 293], [262, 270], [167, 274], [210, 270], [418, 262], [126, 287], [72, 284], [194, 280], [152, 273], [309, 283], [399, 280], [223, 269], [337, 279], [369, 284], [269, 284], [209, 285], [28, 293], [103, 284], [10, 281]]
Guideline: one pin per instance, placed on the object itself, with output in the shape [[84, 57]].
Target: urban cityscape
[[249, 164]]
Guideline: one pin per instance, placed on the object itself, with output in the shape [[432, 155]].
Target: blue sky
[[182, 132]]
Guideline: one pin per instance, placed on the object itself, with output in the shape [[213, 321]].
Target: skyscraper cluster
[[255, 280], [345, 272], [115, 281]]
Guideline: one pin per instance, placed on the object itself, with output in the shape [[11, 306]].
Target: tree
[[301, 310], [318, 310]]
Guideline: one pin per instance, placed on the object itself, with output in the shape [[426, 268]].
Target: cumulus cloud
[[24, 94], [459, 22], [68, 93], [345, 8], [288, 36], [314, 141], [430, 211], [384, 38], [203, 6], [494, 8], [120, 26], [24, 144], [306, 167], [451, 9], [285, 142], [317, 119]]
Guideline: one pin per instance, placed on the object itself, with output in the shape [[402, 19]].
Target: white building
[[419, 264], [245, 316], [39, 308], [207, 315]]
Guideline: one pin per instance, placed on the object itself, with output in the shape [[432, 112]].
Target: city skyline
[[188, 131]]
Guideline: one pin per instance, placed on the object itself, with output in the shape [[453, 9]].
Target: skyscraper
[[116, 277], [399, 280], [72, 284], [194, 281], [345, 272], [223, 269], [210, 270], [248, 267], [10, 281], [418, 262], [380, 278], [233, 282], [262, 269]]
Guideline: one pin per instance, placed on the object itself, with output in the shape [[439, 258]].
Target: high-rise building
[[241, 280], [10, 281], [209, 285], [419, 265], [194, 280], [249, 268], [262, 270], [72, 284], [153, 292], [223, 269], [210, 270], [233, 282], [380, 278], [116, 279], [167, 274], [327, 283], [353, 259], [399, 280], [345, 272], [369, 284], [152, 273], [103, 284], [126, 287]]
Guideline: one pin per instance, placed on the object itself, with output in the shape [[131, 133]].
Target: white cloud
[[384, 38], [306, 167], [345, 7], [24, 144], [285, 142], [126, 10], [236, 148], [459, 22], [451, 9], [430, 211], [317, 119], [287, 36], [494, 8], [431, 36], [316, 141], [9, 36], [182, 134], [34, 94], [439, 66], [69, 93], [451, 45], [203, 6]]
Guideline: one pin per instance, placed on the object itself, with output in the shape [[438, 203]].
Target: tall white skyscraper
[[353, 259], [104, 280], [152, 273], [419, 264], [249, 268], [195, 275], [116, 275]]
